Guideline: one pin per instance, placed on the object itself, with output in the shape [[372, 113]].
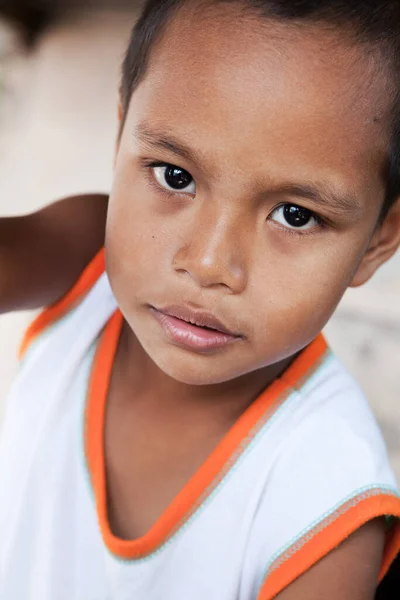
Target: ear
[[120, 114], [383, 245]]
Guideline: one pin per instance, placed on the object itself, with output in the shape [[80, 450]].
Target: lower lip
[[190, 336]]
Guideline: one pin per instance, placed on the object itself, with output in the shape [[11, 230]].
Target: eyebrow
[[322, 194], [164, 141]]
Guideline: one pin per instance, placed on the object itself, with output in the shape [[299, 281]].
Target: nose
[[213, 252]]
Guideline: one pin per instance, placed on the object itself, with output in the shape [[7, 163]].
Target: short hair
[[374, 22]]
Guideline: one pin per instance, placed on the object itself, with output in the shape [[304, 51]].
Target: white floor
[[57, 131]]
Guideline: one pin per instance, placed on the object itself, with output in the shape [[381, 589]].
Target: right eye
[[174, 179]]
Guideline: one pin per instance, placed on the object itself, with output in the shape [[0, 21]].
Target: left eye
[[174, 179], [294, 217]]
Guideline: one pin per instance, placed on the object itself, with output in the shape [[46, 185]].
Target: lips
[[194, 329]]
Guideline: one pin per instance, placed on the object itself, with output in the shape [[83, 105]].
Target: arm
[[348, 573], [42, 254]]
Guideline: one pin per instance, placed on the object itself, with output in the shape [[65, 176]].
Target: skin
[[43, 253], [261, 109], [300, 123]]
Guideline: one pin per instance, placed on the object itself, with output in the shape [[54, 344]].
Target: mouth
[[194, 329]]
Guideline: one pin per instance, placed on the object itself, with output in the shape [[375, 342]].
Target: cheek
[[139, 245], [294, 293]]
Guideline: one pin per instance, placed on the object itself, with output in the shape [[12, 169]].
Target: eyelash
[[149, 164]]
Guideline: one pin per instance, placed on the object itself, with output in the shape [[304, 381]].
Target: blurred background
[[59, 74]]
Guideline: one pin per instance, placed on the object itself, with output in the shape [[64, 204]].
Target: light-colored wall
[[57, 132]]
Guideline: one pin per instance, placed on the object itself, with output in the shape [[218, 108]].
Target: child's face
[[265, 119]]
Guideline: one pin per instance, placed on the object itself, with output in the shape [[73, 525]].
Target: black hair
[[372, 22]]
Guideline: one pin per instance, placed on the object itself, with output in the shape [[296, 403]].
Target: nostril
[[182, 271]]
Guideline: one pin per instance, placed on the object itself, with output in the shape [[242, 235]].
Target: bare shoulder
[[350, 572], [42, 254]]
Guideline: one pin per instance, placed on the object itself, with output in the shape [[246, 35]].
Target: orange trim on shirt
[[309, 359], [95, 410], [329, 534], [54, 312], [209, 475]]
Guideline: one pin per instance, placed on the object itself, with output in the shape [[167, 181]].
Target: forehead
[[250, 90]]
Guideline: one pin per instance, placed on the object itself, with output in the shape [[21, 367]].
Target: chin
[[196, 370]]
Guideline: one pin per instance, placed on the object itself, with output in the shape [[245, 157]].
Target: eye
[[292, 216], [174, 179]]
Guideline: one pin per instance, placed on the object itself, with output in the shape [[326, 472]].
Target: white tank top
[[302, 468]]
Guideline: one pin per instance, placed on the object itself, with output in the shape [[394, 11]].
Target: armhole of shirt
[[56, 311], [329, 532]]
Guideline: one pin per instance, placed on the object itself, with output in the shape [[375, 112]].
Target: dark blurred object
[[33, 16], [389, 589], [30, 16]]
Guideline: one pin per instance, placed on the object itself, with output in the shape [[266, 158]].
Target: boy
[[178, 428]]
